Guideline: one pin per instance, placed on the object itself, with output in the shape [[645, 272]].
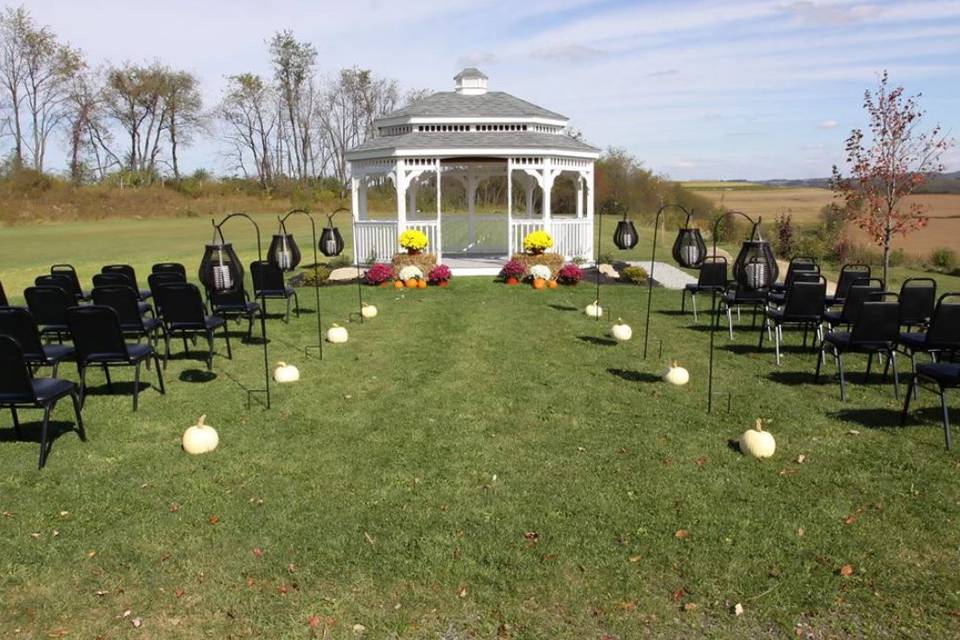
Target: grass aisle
[[482, 461]]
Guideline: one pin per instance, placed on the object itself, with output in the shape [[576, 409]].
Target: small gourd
[[284, 372], [594, 310], [411, 283], [337, 334], [676, 375], [621, 331], [551, 284], [421, 284], [368, 311], [398, 284], [757, 442], [539, 283], [200, 438]]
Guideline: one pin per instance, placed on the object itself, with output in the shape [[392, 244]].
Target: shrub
[[440, 273], [833, 217], [570, 274], [636, 275], [313, 276], [379, 273], [784, 228], [944, 259]]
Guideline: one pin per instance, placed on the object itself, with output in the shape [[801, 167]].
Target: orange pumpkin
[[411, 283], [421, 284], [398, 284], [551, 284], [539, 283]]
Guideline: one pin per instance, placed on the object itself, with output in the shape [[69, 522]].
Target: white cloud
[[831, 14], [828, 124]]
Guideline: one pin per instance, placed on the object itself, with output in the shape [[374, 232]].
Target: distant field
[[805, 203], [713, 185]]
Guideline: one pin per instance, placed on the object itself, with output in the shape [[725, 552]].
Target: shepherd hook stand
[[653, 257], [316, 280]]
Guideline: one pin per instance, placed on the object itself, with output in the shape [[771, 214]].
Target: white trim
[[475, 152], [391, 122]]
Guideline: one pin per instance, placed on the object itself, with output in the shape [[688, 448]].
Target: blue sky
[[708, 89]]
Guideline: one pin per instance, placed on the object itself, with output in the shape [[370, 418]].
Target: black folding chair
[[98, 340], [59, 281], [117, 279], [49, 308], [159, 279], [19, 389], [803, 308], [131, 275], [849, 274], [67, 271], [918, 296], [18, 323], [737, 297], [268, 284], [942, 335], [170, 267], [126, 303], [800, 269], [234, 304], [875, 332], [184, 314], [712, 277], [856, 295], [944, 375]]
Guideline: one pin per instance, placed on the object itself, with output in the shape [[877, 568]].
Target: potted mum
[[379, 274], [414, 241], [411, 276], [536, 242], [570, 274], [512, 271], [440, 275]]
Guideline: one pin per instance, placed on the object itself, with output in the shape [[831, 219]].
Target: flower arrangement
[[410, 272], [537, 242], [440, 274], [379, 273], [570, 274], [413, 241], [513, 270], [540, 272]]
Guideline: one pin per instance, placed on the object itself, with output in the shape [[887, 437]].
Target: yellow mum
[[537, 241], [413, 240]]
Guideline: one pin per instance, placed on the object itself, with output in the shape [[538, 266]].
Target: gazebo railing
[[572, 237], [374, 240], [430, 228]]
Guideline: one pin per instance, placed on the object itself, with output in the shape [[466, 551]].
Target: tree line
[[137, 117]]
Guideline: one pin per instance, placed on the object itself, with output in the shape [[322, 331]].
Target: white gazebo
[[469, 135]]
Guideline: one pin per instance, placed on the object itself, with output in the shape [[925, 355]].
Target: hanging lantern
[[689, 249], [331, 242], [284, 252], [220, 268], [625, 237], [756, 267]]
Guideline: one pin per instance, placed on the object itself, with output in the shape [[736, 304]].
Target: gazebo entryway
[[469, 136]]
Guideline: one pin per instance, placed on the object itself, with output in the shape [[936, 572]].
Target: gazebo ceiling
[[482, 142]]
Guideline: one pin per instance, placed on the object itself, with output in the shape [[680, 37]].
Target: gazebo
[[470, 135]]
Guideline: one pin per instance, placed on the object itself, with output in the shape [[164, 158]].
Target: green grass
[[395, 485]]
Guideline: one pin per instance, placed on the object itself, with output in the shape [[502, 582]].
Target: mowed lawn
[[476, 462]]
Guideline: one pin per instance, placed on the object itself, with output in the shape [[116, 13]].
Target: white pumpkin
[[200, 438], [337, 334], [621, 331], [676, 375], [368, 311], [594, 310], [757, 442], [284, 372]]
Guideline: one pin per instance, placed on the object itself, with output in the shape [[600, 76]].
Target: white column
[[439, 190], [547, 186], [579, 195], [530, 184], [400, 182], [590, 214], [510, 206], [364, 212], [355, 210]]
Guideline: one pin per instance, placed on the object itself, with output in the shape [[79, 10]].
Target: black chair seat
[[148, 325], [48, 389], [843, 339], [275, 293], [915, 341], [209, 322], [946, 374], [57, 352], [239, 307], [134, 352], [833, 317], [145, 294]]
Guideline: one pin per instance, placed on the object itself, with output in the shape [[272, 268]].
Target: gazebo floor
[[474, 264]]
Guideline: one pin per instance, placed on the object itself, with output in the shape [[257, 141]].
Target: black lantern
[[284, 252], [220, 268], [625, 237], [756, 267], [689, 249], [331, 242]]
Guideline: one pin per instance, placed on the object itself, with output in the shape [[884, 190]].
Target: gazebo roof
[[473, 140], [492, 104]]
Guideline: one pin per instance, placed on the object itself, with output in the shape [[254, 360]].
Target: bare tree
[[184, 108], [87, 133], [248, 110], [134, 98], [293, 63], [15, 25]]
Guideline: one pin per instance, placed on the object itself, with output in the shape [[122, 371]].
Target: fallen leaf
[[257, 552], [532, 538], [283, 589], [369, 538], [634, 559], [214, 519], [8, 514], [689, 606], [853, 432], [178, 592], [359, 628], [91, 554], [313, 621], [35, 536], [126, 614], [580, 450], [801, 459], [100, 592], [174, 508], [850, 519], [462, 591], [250, 582], [846, 570], [788, 471], [801, 531], [56, 532], [955, 614], [701, 461], [628, 605], [681, 534], [738, 609], [64, 514], [679, 593], [291, 568], [137, 622]]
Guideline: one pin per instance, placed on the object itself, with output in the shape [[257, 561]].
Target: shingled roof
[[492, 104], [473, 140]]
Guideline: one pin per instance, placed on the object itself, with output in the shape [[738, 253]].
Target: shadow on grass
[[800, 377], [871, 418], [600, 342], [562, 307], [634, 376], [30, 430], [197, 376], [122, 388]]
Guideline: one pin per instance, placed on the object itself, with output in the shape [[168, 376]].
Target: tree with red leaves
[[888, 167]]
